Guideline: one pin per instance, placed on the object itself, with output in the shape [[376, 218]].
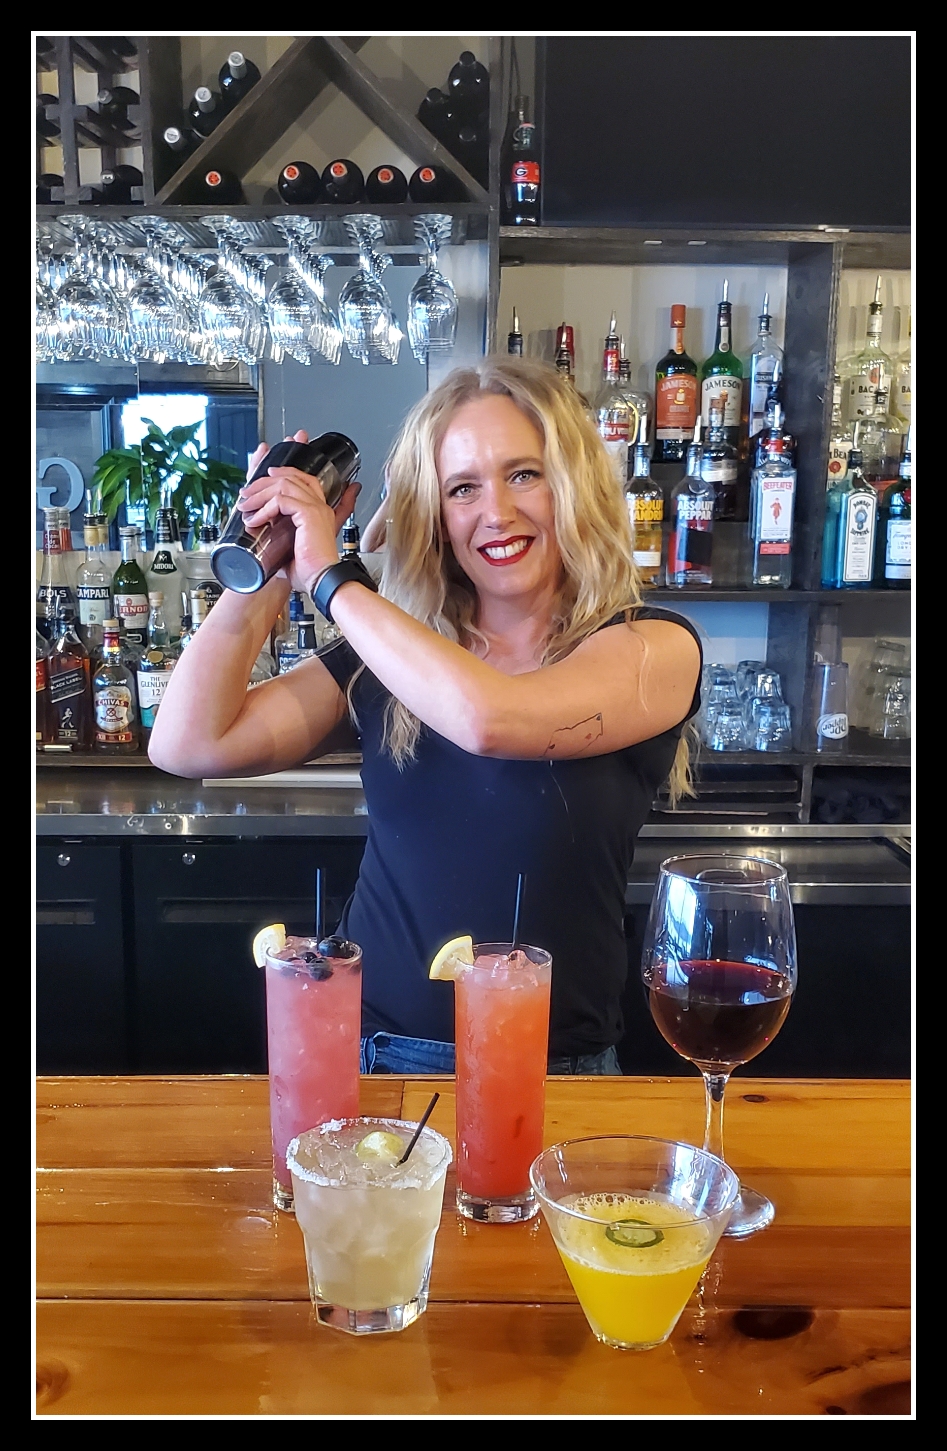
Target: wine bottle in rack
[[236, 76], [468, 87], [47, 127], [112, 106], [181, 142], [386, 184], [46, 182], [206, 110], [299, 183], [342, 181], [429, 184], [434, 112], [221, 186], [115, 186]]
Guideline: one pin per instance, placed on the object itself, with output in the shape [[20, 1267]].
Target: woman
[[517, 709]]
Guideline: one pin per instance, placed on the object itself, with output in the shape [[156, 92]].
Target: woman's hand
[[290, 491]]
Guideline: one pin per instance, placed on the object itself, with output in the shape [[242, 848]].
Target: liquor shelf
[[626, 246]]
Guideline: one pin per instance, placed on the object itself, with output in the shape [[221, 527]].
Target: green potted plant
[[166, 469]]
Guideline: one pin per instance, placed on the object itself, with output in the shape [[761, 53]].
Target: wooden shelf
[[625, 246], [748, 595]]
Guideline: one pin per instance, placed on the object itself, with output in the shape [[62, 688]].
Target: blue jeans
[[388, 1053]]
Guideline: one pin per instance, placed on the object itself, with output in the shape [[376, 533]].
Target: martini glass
[[719, 964]]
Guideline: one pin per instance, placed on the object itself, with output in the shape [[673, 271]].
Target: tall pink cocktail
[[313, 1030], [501, 1008]]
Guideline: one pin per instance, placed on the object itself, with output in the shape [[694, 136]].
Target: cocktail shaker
[[244, 560]]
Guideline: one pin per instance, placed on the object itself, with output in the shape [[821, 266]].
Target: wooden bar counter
[[169, 1285]]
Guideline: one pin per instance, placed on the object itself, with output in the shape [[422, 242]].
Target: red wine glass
[[719, 965]]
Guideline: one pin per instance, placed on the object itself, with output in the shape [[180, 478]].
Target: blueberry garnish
[[332, 947]]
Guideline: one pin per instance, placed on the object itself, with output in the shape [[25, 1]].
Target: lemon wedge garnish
[[268, 939], [453, 958], [380, 1148]]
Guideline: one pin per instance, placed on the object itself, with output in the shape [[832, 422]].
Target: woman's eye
[[525, 476], [461, 491]]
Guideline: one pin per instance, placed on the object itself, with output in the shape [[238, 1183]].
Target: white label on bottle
[[113, 709], [838, 457], [862, 389], [94, 603], [617, 450], [151, 687], [647, 558], [718, 470], [132, 609], [695, 509], [833, 727], [859, 515], [730, 389], [898, 549], [777, 494]]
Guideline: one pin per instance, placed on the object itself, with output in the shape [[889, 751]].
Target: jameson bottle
[[130, 589], [722, 375], [675, 394], [114, 704], [690, 547]]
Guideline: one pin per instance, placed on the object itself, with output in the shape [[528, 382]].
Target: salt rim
[[312, 1176]]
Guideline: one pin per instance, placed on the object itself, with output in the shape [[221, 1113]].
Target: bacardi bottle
[[772, 502], [519, 169], [157, 661], [645, 502], [718, 466], [130, 590], [675, 395], [721, 376], [613, 413], [55, 586], [94, 582], [848, 543], [764, 365], [870, 369], [893, 565], [70, 695], [901, 398], [690, 547], [114, 703]]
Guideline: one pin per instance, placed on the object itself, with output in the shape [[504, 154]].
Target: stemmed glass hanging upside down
[[719, 965]]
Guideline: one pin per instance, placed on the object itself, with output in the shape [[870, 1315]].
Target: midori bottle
[[721, 376]]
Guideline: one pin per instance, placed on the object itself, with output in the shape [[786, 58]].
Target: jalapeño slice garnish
[[633, 1233]]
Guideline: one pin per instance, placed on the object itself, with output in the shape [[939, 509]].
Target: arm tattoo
[[573, 740]]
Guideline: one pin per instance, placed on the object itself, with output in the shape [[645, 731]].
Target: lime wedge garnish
[[633, 1233]]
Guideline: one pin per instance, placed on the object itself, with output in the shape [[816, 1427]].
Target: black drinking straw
[[520, 887], [320, 904], [417, 1133]]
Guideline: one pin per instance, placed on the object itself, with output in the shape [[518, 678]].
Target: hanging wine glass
[[432, 301], [157, 321], [231, 316], [369, 327], [719, 965]]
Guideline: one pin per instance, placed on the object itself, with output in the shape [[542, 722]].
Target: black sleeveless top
[[449, 833]]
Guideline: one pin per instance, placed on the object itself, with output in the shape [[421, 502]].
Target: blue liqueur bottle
[[848, 544]]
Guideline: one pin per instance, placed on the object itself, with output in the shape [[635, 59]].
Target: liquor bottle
[[206, 110], [434, 112], [900, 399], [70, 695], [188, 629], [181, 142], [772, 411], [55, 584], [236, 76], [386, 184], [157, 662], [115, 186], [431, 184], [343, 182], [675, 394], [42, 693], [848, 543], [841, 436], [306, 642], [200, 575], [565, 351], [719, 462], [299, 184], [519, 169], [468, 87], [613, 415], [471, 146], [764, 365], [639, 403], [772, 502], [165, 573], [690, 547], [114, 702], [351, 538], [721, 376], [863, 373], [130, 590], [285, 644], [877, 436], [112, 106], [46, 183], [220, 188], [94, 582], [894, 557], [645, 502], [514, 338]]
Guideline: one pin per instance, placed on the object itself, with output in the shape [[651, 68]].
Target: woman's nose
[[499, 506]]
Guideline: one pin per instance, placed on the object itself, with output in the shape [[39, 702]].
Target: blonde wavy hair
[[421, 575]]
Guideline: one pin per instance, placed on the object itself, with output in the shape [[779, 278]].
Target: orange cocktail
[[501, 1007]]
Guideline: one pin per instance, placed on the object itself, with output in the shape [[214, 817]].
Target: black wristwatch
[[331, 579]]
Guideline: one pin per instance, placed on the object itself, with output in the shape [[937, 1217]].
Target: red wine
[[299, 183], [342, 181], [386, 184], [719, 1014]]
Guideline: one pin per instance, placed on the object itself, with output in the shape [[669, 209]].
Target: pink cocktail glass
[[313, 1029]]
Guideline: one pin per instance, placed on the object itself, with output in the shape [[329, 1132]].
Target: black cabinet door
[[80, 972], [200, 1000], [851, 1013]]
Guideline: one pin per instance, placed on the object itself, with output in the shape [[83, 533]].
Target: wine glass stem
[[715, 1085]]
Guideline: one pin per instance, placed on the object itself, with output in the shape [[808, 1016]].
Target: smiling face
[[496, 503]]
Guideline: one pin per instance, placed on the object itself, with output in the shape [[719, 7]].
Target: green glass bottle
[[721, 376], [130, 590]]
